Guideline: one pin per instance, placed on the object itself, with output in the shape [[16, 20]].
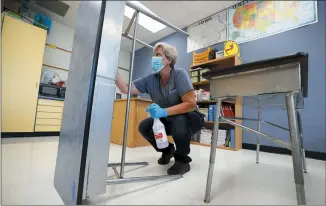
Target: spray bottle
[[160, 134]]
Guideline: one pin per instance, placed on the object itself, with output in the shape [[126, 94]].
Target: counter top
[[51, 98], [133, 99], [117, 100]]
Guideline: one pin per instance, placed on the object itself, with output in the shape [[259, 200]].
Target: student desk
[[281, 83]]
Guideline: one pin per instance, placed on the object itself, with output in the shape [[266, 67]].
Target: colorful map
[[258, 19]]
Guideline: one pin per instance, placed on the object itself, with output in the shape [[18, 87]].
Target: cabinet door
[[22, 54]]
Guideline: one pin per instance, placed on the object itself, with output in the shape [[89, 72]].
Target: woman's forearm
[[121, 84], [182, 108]]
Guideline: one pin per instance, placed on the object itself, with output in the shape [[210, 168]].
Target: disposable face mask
[[157, 63]]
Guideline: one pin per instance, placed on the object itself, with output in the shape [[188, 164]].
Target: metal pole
[[273, 139], [258, 136], [155, 17], [141, 179], [116, 172], [296, 154], [125, 133], [128, 164], [139, 41], [213, 152], [252, 119], [301, 141], [130, 23]]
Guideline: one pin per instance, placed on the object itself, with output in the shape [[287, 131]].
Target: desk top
[[300, 57]]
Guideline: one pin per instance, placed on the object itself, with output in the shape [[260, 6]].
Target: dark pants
[[181, 127]]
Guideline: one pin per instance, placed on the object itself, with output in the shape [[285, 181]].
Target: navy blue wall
[[309, 39]]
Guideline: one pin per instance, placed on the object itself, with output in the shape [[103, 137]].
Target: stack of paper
[[221, 137], [206, 137]]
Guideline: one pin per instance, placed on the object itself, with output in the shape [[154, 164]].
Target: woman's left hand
[[156, 111]]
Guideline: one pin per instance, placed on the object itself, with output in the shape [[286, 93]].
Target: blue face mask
[[157, 63]]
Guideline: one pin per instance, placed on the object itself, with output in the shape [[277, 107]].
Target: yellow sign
[[231, 48]]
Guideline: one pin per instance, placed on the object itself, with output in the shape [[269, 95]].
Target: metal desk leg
[[258, 136], [296, 153], [213, 152], [301, 141]]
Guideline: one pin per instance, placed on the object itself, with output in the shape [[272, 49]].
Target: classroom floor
[[28, 168]]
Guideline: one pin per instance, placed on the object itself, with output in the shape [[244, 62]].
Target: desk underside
[[266, 86]]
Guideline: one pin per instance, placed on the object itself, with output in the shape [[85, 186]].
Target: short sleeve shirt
[[169, 95]]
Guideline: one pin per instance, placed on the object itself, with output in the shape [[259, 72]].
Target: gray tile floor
[[28, 168]]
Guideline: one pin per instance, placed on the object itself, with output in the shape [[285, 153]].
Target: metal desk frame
[[293, 101]]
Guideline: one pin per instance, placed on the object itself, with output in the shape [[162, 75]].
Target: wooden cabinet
[[22, 55], [49, 115], [136, 115]]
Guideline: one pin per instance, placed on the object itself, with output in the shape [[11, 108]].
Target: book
[[232, 138], [229, 111], [232, 113], [210, 113], [225, 111], [227, 139]]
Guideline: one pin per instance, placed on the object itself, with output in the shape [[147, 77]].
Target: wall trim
[[28, 134], [279, 150]]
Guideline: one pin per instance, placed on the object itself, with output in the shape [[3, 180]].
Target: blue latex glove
[[156, 111], [153, 105]]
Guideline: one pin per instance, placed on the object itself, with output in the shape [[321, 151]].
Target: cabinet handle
[[36, 85]]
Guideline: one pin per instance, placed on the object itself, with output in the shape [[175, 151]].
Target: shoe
[[166, 156], [179, 168]]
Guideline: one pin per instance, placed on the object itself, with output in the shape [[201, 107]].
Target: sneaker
[[179, 168], [166, 156]]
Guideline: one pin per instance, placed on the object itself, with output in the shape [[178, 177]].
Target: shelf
[[222, 125], [206, 82], [55, 67], [208, 145], [55, 47], [207, 102], [221, 62]]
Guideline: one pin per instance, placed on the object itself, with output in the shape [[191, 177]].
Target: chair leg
[[296, 150], [212, 153], [304, 165]]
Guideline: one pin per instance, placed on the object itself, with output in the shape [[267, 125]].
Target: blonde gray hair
[[169, 51]]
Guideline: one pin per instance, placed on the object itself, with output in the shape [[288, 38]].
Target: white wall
[[124, 59], [124, 62], [60, 36]]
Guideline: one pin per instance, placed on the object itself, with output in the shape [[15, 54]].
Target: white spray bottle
[[160, 134]]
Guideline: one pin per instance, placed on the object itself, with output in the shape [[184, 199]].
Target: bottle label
[[158, 135]]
